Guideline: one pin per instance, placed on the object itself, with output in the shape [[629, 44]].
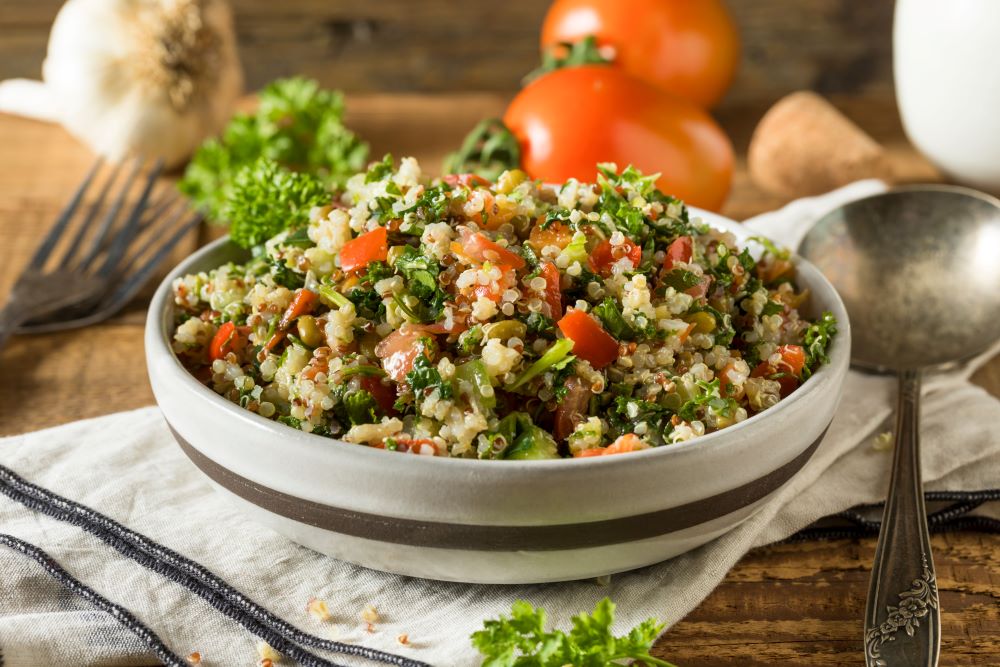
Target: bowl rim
[[156, 333]]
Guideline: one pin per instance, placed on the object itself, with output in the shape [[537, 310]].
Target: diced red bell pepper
[[590, 341], [371, 246]]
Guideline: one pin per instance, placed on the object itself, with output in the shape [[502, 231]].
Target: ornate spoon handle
[[902, 618]]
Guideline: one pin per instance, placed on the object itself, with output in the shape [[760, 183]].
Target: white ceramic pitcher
[[947, 69]]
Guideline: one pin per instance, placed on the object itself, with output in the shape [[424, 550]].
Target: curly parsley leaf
[[267, 199], [297, 124], [522, 641]]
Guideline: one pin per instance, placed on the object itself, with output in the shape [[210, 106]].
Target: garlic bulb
[[147, 77]]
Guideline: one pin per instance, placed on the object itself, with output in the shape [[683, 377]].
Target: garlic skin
[[143, 77]]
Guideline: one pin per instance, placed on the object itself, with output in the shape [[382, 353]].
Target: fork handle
[[902, 618]]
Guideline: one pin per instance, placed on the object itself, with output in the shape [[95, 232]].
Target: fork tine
[[97, 243], [91, 216], [156, 211], [45, 249], [124, 293], [119, 244], [156, 230]]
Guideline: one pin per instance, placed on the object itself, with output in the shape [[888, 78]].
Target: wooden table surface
[[798, 604]]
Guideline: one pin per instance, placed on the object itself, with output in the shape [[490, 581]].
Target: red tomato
[[590, 341], [479, 248], [556, 233], [369, 247], [222, 341], [398, 350], [679, 250], [553, 293], [571, 408], [384, 394], [793, 356], [604, 256], [687, 47], [793, 359], [618, 118]]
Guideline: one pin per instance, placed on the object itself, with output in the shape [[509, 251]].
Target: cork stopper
[[803, 146]]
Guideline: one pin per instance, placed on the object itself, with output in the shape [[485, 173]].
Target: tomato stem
[[570, 54], [487, 151]]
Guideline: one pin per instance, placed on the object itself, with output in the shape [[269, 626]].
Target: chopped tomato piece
[[571, 408], [555, 234], [605, 255], [678, 251], [477, 247], [629, 442], [701, 289], [222, 341], [383, 394], [788, 370], [626, 443], [593, 451], [467, 180], [590, 341], [371, 246], [398, 350], [553, 293], [793, 356]]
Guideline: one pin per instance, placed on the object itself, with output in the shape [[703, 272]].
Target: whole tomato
[[569, 120], [688, 47]]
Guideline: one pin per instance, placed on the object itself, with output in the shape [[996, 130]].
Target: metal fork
[[111, 254]]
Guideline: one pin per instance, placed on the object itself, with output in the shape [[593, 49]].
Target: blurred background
[[830, 46]]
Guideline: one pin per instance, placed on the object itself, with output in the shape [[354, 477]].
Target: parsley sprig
[[523, 641], [297, 125], [816, 341]]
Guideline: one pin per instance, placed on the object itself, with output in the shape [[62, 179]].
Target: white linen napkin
[[127, 466]]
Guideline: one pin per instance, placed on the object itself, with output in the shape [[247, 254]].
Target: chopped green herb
[[522, 640]]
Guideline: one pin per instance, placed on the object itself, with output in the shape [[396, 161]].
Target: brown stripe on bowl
[[475, 537]]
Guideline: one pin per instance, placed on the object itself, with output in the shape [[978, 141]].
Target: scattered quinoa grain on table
[[514, 320]]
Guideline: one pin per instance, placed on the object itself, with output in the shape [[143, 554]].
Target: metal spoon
[[919, 271]]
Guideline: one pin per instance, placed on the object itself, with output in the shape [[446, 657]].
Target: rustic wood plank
[[441, 45], [794, 604]]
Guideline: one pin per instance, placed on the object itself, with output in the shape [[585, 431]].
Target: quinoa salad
[[508, 320]]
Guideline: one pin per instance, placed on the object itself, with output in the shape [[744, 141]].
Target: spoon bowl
[[919, 271]]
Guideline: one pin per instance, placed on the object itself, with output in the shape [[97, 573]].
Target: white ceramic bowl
[[492, 521]]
